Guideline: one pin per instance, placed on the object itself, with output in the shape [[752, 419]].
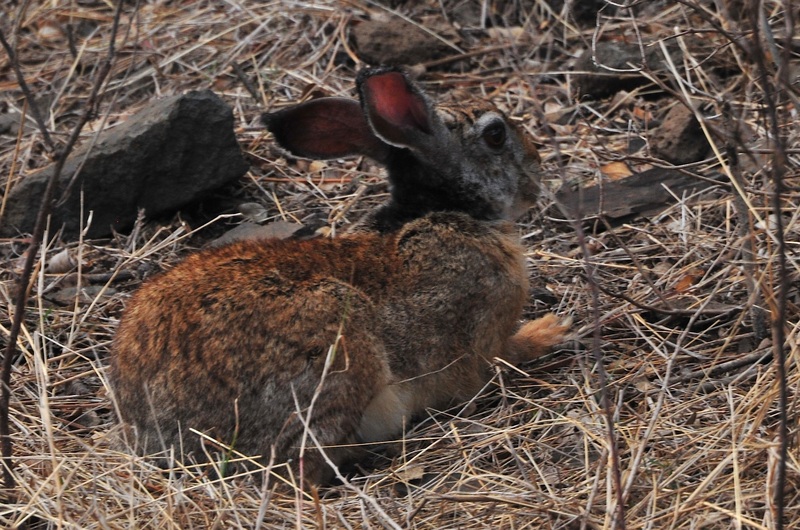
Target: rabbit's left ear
[[396, 109], [326, 128]]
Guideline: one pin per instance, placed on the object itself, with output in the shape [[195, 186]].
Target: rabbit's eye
[[495, 135]]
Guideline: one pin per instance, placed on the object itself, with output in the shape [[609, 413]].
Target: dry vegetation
[[690, 372]]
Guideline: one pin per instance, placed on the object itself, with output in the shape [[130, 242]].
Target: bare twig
[[33, 107], [246, 81], [757, 313], [777, 172], [618, 517], [38, 232]]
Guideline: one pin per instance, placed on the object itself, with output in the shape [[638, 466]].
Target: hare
[[278, 348]]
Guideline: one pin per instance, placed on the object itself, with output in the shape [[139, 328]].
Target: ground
[[674, 309]]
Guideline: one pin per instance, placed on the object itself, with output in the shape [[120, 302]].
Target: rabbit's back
[[233, 341]]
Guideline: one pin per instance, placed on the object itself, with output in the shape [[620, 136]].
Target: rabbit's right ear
[[397, 110], [325, 128]]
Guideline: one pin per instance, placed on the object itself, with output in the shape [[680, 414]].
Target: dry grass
[[692, 383]]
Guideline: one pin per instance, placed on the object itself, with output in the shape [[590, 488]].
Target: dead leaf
[[253, 211], [616, 170], [411, 477], [317, 166], [688, 280], [643, 385], [642, 114], [85, 295], [411, 473], [50, 32], [250, 231], [514, 34], [61, 263]]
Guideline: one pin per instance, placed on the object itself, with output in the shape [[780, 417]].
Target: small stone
[[679, 139], [396, 42], [612, 66]]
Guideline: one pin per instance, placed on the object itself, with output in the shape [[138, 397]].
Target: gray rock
[[164, 157], [609, 69]]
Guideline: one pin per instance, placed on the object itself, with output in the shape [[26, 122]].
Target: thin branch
[[618, 519], [777, 171], [33, 107], [6, 448]]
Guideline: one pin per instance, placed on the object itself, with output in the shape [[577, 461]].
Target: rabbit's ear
[[396, 109], [325, 128]]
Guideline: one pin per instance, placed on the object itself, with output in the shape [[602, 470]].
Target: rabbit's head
[[467, 157]]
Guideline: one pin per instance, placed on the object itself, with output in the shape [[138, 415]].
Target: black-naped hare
[[256, 341]]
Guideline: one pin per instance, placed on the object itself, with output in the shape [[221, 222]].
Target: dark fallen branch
[[643, 194], [759, 357], [713, 311]]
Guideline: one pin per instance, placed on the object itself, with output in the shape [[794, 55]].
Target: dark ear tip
[[275, 122], [276, 125], [268, 119], [370, 71]]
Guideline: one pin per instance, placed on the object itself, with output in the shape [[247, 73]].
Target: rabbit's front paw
[[536, 337]]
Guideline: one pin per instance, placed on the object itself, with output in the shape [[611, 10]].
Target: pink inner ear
[[393, 100]]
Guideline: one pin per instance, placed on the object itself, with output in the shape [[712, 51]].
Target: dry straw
[[692, 387]]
